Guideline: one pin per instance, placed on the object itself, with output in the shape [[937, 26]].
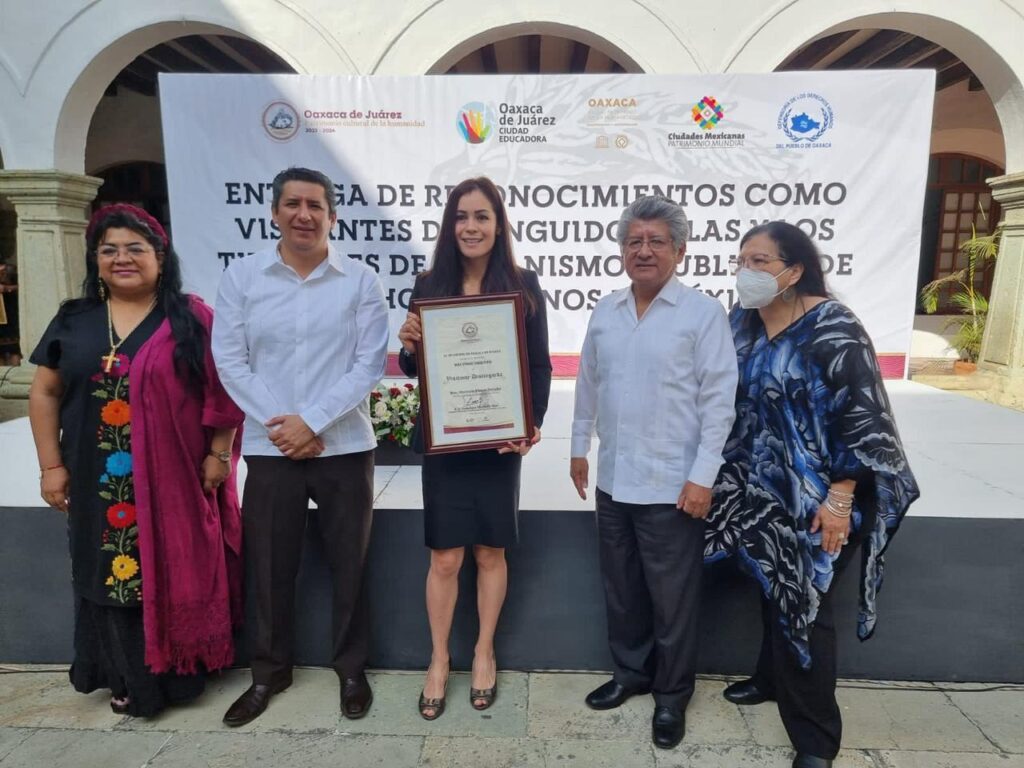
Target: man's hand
[[310, 450], [289, 433], [695, 500], [579, 471]]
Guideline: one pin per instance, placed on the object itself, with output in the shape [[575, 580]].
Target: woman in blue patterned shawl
[[814, 472]]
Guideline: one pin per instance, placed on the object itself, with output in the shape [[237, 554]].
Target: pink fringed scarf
[[190, 542]]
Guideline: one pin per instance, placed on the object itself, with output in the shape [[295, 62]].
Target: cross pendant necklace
[[109, 360]]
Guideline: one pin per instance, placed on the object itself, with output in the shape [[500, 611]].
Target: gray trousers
[[652, 566]]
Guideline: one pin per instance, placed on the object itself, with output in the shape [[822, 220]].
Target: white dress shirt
[[313, 347], [661, 391]]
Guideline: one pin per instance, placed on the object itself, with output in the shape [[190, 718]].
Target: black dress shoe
[[611, 695], [667, 727], [746, 692], [356, 696], [803, 760], [251, 704]]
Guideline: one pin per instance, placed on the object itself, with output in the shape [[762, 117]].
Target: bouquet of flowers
[[393, 413]]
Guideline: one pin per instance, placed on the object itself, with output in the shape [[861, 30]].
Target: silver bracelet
[[836, 512]]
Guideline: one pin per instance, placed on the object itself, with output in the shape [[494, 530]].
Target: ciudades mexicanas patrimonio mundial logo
[[475, 122]]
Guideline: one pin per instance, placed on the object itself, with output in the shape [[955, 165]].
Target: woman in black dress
[[135, 436], [472, 498]]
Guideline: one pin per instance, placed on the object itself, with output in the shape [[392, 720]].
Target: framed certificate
[[474, 376]]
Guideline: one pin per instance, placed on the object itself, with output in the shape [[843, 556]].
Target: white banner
[[842, 154]]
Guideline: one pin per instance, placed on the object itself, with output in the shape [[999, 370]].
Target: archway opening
[[124, 145], [967, 147], [538, 54]]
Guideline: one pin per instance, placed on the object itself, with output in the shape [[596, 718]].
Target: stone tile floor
[[538, 721]]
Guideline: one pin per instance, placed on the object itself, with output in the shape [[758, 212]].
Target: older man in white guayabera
[[657, 377]]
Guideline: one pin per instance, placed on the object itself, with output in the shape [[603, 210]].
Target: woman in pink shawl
[[138, 442]]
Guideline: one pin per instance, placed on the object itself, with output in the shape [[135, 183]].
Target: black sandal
[[437, 705], [119, 706], [482, 698]]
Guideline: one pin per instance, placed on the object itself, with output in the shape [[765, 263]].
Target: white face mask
[[756, 289]]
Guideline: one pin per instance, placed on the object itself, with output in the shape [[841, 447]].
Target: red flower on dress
[[120, 367], [121, 515]]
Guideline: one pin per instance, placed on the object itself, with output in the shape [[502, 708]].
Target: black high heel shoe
[[435, 706], [482, 698]]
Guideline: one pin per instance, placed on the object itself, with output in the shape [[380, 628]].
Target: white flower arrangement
[[393, 412]]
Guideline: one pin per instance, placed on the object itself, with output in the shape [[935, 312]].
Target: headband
[[132, 210]]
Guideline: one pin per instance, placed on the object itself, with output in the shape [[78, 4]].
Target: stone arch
[[70, 77], [628, 32], [983, 34]]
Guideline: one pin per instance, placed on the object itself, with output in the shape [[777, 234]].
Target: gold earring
[[102, 290]]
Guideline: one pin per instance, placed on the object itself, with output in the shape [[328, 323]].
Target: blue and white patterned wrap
[[810, 410]]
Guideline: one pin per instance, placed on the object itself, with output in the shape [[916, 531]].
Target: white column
[[53, 209], [1001, 361]]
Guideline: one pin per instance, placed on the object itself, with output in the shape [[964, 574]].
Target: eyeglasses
[[656, 244], [134, 251], [755, 261]]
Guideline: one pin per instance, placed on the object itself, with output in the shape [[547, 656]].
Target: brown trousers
[[275, 506]]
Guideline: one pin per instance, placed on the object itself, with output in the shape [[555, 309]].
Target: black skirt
[[110, 653], [471, 498]]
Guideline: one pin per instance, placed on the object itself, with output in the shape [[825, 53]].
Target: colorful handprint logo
[[475, 122]]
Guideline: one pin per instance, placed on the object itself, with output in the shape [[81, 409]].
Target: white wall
[[57, 56]]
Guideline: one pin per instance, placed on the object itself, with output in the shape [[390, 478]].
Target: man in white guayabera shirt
[[657, 378], [300, 338]]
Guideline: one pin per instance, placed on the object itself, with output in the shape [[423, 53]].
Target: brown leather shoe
[[251, 704], [356, 696]]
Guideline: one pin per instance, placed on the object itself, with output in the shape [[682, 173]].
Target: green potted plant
[[393, 412], [980, 251]]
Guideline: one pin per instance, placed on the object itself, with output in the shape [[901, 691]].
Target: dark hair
[[188, 332], [795, 247], [307, 175], [445, 275]]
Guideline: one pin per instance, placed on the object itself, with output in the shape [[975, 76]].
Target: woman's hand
[[53, 487], [835, 530], [214, 473], [410, 332], [522, 447]]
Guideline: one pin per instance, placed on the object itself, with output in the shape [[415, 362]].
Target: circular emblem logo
[[469, 330], [280, 121], [622, 141], [806, 118], [475, 122]]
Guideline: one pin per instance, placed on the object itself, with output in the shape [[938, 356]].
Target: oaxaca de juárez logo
[[805, 118], [280, 120], [475, 122]]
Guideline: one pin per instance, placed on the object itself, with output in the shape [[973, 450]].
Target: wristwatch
[[224, 456]]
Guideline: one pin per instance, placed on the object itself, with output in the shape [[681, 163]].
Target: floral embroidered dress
[[96, 422], [810, 410]]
